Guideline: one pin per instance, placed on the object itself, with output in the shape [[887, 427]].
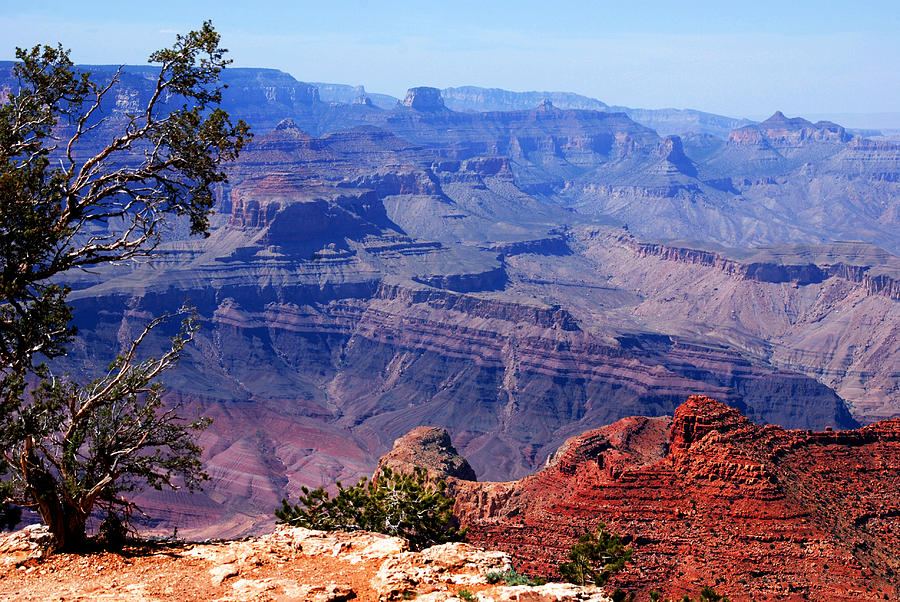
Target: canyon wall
[[501, 274], [708, 498]]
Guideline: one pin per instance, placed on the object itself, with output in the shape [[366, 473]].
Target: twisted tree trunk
[[65, 520]]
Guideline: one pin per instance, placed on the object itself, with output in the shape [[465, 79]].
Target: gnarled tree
[[80, 187]]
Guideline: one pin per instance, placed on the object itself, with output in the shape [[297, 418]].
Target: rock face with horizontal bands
[[708, 497], [373, 270], [360, 284]]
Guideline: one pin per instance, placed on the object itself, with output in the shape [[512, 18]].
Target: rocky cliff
[[359, 284], [707, 497], [782, 132], [501, 274], [424, 99], [809, 308], [877, 271]]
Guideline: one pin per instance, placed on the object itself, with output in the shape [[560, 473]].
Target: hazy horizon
[[819, 60]]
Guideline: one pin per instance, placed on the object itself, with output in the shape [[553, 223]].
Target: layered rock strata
[[707, 497], [438, 268], [358, 285], [834, 328], [877, 271]]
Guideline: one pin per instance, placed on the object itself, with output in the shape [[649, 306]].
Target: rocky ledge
[[289, 564], [876, 270], [706, 497]]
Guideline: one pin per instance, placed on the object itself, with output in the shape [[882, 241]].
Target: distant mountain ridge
[[664, 121], [347, 94], [478, 99], [286, 91], [474, 98]]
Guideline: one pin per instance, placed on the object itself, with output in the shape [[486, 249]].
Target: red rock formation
[[709, 498], [429, 447]]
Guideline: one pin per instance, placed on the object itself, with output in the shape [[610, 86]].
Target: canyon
[[517, 276]]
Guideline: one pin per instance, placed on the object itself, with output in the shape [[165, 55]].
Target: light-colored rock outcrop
[[30, 542], [445, 564], [288, 564], [550, 592]]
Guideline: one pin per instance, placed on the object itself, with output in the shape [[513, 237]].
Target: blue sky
[[806, 58]]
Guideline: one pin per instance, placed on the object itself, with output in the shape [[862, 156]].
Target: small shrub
[[708, 594], [413, 506], [595, 558], [512, 577], [466, 595], [619, 595], [112, 533]]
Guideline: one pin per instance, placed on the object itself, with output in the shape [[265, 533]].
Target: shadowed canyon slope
[[510, 275], [706, 497]]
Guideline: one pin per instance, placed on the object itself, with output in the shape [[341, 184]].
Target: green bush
[[413, 506], [112, 533], [512, 577], [595, 558], [707, 594], [466, 595], [618, 595], [10, 516]]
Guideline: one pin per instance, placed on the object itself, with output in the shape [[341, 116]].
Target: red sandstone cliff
[[709, 498]]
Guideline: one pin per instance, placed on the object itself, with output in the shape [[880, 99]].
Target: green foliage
[[513, 577], [68, 447], [494, 577], [708, 594], [413, 506], [464, 594], [86, 447], [112, 532], [618, 595], [595, 558]]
